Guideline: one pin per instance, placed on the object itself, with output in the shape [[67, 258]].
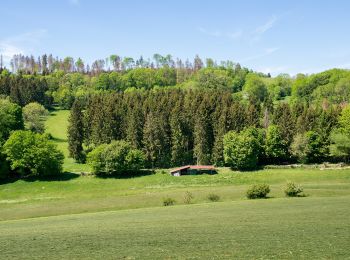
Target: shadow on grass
[[65, 176], [126, 175], [58, 140]]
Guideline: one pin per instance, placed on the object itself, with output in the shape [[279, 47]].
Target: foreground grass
[[78, 194], [307, 228], [56, 125]]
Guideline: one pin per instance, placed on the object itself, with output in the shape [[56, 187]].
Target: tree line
[[177, 127]]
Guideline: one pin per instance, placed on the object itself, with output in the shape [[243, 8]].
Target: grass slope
[[56, 125], [77, 194], [299, 228]]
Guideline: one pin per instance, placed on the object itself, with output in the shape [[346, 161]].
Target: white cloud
[[265, 53], [21, 43], [266, 26], [260, 30]]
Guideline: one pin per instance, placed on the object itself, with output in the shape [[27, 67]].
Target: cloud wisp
[[262, 29], [265, 53], [21, 43]]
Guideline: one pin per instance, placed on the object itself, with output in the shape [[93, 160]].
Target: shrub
[[116, 157], [258, 191], [168, 201], [213, 197], [188, 197], [32, 154], [293, 190]]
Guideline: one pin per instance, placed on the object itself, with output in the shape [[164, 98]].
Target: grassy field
[[300, 228], [56, 125], [86, 217], [78, 194]]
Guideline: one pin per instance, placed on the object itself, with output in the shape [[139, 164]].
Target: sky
[[290, 36]]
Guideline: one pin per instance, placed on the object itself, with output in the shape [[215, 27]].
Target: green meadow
[[86, 217]]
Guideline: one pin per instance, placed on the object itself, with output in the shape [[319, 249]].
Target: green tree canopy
[[115, 158], [32, 154], [242, 150]]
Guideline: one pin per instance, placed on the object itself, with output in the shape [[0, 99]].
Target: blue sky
[[269, 36]]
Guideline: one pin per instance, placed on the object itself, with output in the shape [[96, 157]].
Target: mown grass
[[298, 228], [77, 194]]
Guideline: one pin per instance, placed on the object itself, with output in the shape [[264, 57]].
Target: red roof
[[194, 167]]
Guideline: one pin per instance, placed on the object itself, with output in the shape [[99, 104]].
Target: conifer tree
[[76, 132]]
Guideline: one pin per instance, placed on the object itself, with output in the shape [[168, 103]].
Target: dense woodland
[[179, 113]]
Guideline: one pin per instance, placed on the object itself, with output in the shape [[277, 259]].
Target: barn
[[193, 170]]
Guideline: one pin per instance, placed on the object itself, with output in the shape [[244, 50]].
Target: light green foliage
[[276, 148], [116, 157], [242, 150], [215, 78], [340, 145], [213, 197], [258, 191], [309, 147], [10, 118], [280, 87], [332, 85], [293, 190], [344, 121], [32, 154], [34, 115], [255, 88]]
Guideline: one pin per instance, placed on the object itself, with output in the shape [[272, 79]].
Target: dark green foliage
[[76, 132], [32, 154], [4, 166], [118, 157], [258, 191], [168, 201], [293, 190], [213, 197]]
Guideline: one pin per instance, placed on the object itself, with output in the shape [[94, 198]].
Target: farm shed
[[193, 170]]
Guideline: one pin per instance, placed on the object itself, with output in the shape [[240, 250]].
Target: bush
[[116, 157], [32, 154], [168, 202], [213, 197], [188, 197], [258, 191], [293, 190]]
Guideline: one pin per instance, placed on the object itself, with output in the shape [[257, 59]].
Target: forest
[[167, 112]]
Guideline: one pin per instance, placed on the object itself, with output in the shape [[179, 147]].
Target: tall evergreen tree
[[76, 132]]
